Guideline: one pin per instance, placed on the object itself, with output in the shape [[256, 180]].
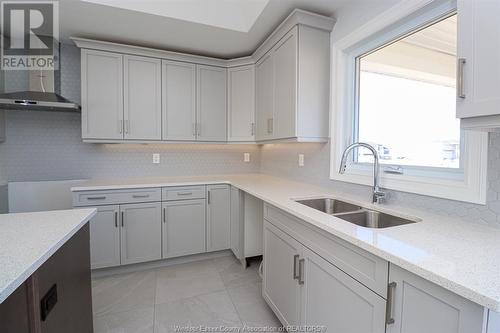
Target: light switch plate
[[156, 158], [246, 157], [301, 160]]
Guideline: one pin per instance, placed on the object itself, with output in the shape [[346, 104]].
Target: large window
[[406, 99], [394, 87]]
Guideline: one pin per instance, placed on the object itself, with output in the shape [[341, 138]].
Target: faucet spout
[[378, 195]]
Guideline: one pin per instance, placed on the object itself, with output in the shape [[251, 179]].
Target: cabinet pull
[[116, 219], [120, 125], [252, 129], [123, 220], [198, 129], [390, 303], [460, 78], [301, 271], [127, 126], [184, 193], [194, 129], [96, 198], [208, 197], [295, 266], [136, 196], [164, 215], [270, 126]]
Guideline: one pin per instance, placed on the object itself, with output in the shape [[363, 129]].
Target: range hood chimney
[[41, 95]]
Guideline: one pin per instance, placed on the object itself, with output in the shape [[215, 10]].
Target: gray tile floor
[[209, 293]]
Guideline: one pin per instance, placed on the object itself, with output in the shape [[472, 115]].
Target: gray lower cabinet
[[333, 299], [417, 305], [105, 237], [140, 232], [218, 217], [280, 288], [183, 227]]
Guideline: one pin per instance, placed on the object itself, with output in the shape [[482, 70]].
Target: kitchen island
[[45, 272]]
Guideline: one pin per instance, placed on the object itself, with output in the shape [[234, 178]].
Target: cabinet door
[[418, 305], [218, 219], [280, 287], [241, 103], [140, 232], [105, 237], [285, 86], [237, 222], [183, 227], [479, 46], [264, 97], [211, 103], [142, 98], [333, 299], [102, 95], [178, 101]]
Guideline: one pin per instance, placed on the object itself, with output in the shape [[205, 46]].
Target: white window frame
[[407, 15]]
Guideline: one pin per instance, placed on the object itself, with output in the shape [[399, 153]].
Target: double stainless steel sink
[[355, 214]]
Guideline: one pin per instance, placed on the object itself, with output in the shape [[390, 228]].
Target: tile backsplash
[[282, 160]]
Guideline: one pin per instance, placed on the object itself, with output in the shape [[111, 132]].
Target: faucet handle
[[378, 196]]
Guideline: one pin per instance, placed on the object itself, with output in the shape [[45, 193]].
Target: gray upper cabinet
[[478, 101], [105, 237], [241, 103], [178, 101], [417, 305], [264, 98], [285, 86], [102, 95], [292, 91], [333, 299], [218, 217], [142, 98], [211, 103], [183, 227], [140, 232]]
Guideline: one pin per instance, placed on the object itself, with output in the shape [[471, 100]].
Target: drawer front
[[183, 192], [363, 266], [111, 197]]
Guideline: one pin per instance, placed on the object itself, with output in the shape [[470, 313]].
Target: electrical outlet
[[246, 157], [301, 160], [156, 158]]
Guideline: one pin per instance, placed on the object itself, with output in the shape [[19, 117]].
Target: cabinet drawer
[[110, 197], [183, 193], [363, 266]]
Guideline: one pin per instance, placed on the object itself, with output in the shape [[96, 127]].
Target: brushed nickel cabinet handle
[[460, 78], [208, 197], [391, 291], [120, 125], [164, 215], [252, 129], [116, 219], [123, 219], [96, 198], [295, 266], [184, 193], [194, 129], [301, 271], [137, 196], [127, 126]]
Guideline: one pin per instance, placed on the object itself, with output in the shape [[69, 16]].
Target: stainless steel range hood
[[40, 95], [37, 101]]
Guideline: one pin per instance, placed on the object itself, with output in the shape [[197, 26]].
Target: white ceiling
[[89, 20], [238, 15]]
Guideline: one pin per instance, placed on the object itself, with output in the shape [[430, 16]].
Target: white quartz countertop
[[27, 240], [459, 256]]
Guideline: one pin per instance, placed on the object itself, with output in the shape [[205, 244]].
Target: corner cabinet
[[211, 104], [293, 80], [478, 100], [241, 103]]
